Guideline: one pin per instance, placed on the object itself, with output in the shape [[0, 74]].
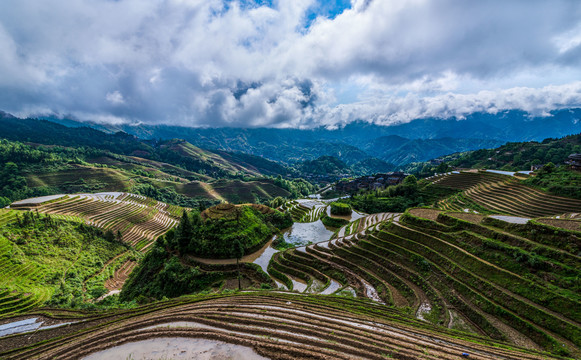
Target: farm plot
[[138, 219], [45, 258], [502, 194], [277, 326], [489, 274], [17, 282]]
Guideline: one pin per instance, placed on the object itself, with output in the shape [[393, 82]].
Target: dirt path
[[103, 269], [210, 190]]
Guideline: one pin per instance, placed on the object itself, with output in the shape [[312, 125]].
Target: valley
[[480, 267], [110, 247], [290, 180]]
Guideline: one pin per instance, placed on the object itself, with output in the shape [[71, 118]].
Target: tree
[[547, 169], [238, 252], [410, 180], [109, 236], [185, 232], [442, 168]]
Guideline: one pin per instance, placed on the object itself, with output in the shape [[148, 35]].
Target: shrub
[[338, 208]]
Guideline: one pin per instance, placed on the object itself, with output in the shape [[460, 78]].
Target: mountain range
[[388, 147]]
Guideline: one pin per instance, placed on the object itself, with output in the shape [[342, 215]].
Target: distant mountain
[[325, 165], [400, 151], [418, 140], [512, 125], [372, 166]]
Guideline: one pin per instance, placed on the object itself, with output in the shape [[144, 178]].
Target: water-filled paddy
[[304, 233], [177, 348]]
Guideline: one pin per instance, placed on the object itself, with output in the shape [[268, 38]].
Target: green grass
[[48, 259]]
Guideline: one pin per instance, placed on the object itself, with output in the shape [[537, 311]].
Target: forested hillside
[[176, 152], [47, 259], [28, 170], [513, 156]]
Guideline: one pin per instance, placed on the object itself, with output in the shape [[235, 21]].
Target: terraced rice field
[[425, 284], [140, 220], [15, 294], [439, 271], [502, 194], [295, 266], [313, 214], [276, 326], [7, 216], [569, 224], [297, 211]]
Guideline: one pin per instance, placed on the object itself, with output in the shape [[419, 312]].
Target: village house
[[373, 182], [574, 160]]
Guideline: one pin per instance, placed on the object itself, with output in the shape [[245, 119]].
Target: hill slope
[[176, 152], [45, 258], [502, 194], [29, 170]]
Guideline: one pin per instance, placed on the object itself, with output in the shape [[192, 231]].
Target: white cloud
[[568, 40], [115, 98], [212, 63], [395, 110]]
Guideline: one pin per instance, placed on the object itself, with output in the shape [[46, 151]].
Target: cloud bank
[[287, 63]]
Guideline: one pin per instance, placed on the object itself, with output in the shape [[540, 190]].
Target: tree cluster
[[242, 228]]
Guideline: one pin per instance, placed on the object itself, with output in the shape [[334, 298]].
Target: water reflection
[[304, 233]]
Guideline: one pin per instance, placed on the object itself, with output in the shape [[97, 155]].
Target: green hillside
[[512, 156], [465, 261], [222, 231], [46, 259], [35, 170]]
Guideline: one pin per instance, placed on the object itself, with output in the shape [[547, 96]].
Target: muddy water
[[177, 348], [310, 203], [315, 287], [424, 308], [303, 233], [280, 285], [511, 219], [19, 327], [371, 293], [334, 286], [298, 284], [298, 234], [38, 200]]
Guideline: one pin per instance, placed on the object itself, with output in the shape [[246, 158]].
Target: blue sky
[[327, 9], [287, 63]]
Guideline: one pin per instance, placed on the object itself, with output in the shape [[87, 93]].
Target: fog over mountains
[[418, 140]]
